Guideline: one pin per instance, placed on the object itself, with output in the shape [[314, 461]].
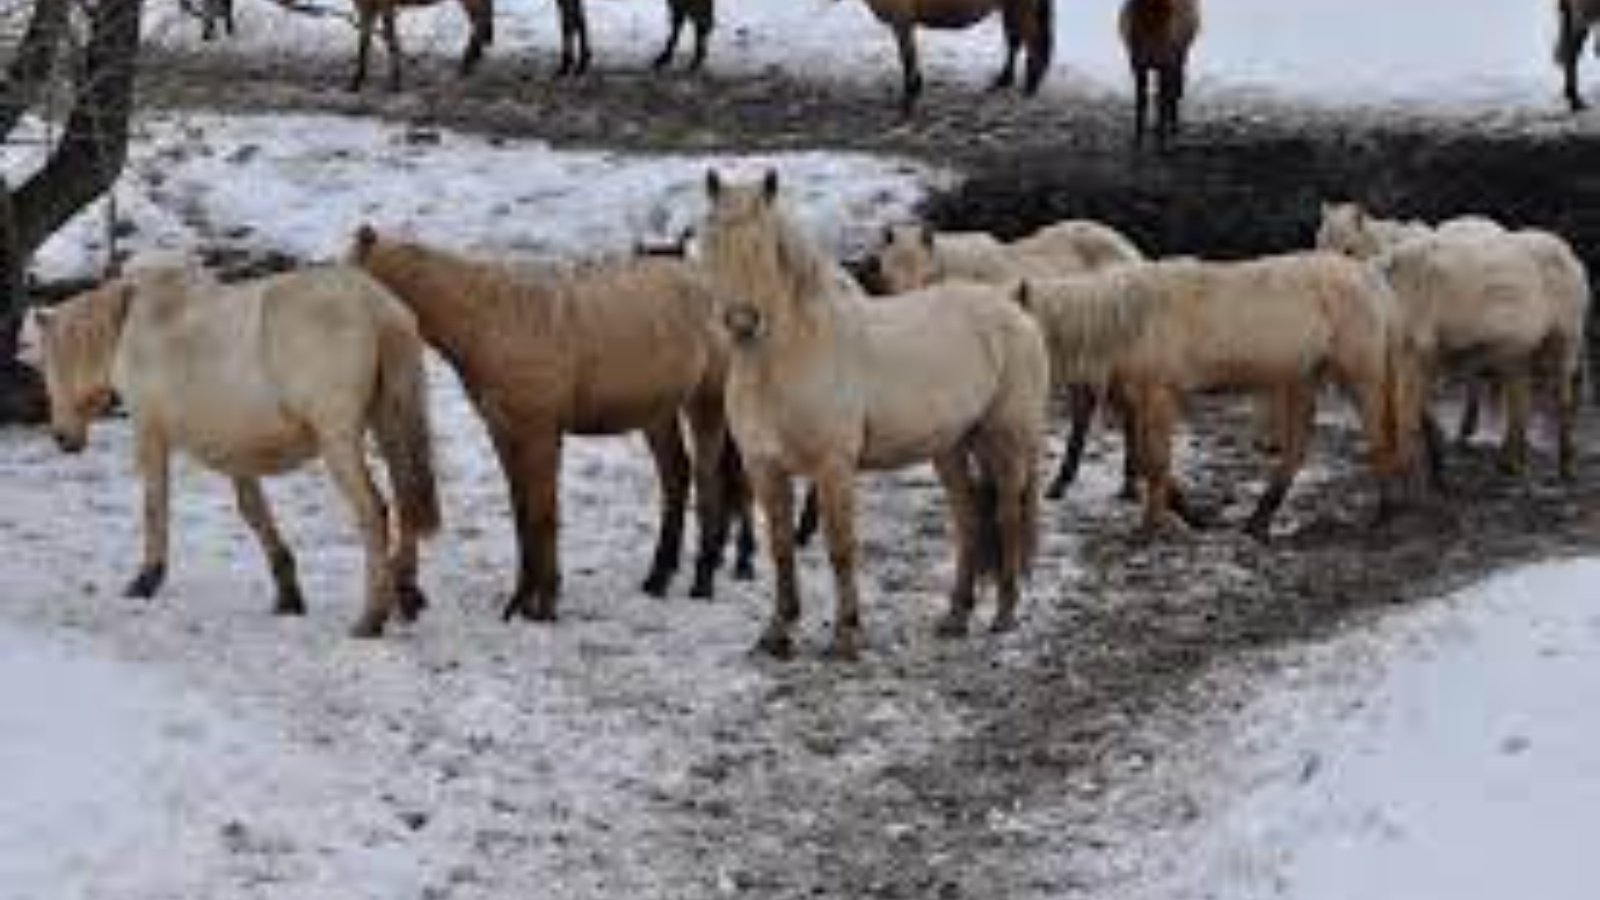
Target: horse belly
[[244, 438], [952, 14]]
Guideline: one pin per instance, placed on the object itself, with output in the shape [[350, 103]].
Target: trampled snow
[[1360, 51], [1450, 752]]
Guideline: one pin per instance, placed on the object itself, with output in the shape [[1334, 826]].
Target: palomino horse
[[912, 257], [575, 33], [822, 384], [1578, 18], [1276, 326], [252, 380], [606, 349], [1158, 35], [1027, 22], [1513, 305], [369, 13]]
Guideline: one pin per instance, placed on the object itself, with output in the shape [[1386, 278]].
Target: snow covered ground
[[1448, 752], [1355, 51], [301, 184]]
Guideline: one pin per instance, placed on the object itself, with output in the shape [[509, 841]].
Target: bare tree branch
[[33, 63]]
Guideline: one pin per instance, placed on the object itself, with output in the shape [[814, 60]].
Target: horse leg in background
[[1296, 406], [581, 64], [1154, 412], [540, 462], [257, 513], [1141, 104], [708, 431], [573, 29], [704, 15], [229, 26], [366, 18], [672, 470], [1471, 413], [955, 476], [1083, 402], [1433, 445], [1566, 392], [1011, 26], [836, 493], [810, 518], [1569, 50], [775, 495], [1129, 491], [391, 39], [1011, 469], [155, 470], [910, 68], [740, 512], [1038, 33], [481, 14], [1169, 80], [345, 455], [678, 14], [1518, 386], [505, 450]]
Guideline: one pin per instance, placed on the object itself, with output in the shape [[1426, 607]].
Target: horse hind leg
[[366, 19], [956, 477], [1170, 89], [482, 19], [1141, 104], [257, 513], [910, 70], [672, 470], [346, 461], [677, 15], [1012, 26], [571, 13], [836, 491], [1519, 400], [1569, 50], [155, 470], [391, 40], [1298, 407], [703, 13], [708, 430], [1084, 401]]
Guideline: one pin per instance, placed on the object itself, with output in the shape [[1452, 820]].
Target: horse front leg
[[1296, 407], [1519, 401], [1471, 412], [703, 13], [776, 498], [1141, 105], [1084, 401], [1012, 27], [910, 69], [482, 17], [1569, 50], [540, 464], [1155, 412], [955, 476], [366, 19], [391, 40], [708, 430], [836, 493], [257, 513], [1170, 80], [678, 15], [154, 459], [345, 455], [569, 11]]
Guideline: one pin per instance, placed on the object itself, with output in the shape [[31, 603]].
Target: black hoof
[[779, 646], [289, 603], [411, 602], [656, 584], [145, 585]]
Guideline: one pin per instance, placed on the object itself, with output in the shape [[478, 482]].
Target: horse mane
[[1090, 320], [88, 327], [766, 252]]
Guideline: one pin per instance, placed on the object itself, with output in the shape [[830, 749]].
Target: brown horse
[[575, 34], [1027, 22], [1578, 18], [1158, 35], [370, 12], [607, 349]]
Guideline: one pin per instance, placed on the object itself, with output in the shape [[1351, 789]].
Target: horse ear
[[713, 184], [769, 185]]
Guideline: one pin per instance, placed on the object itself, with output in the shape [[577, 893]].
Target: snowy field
[[1346, 51]]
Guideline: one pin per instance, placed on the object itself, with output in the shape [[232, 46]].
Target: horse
[[370, 13], [257, 379], [822, 384], [1158, 35], [914, 256], [1276, 326], [1026, 22], [610, 348], [1513, 305], [1577, 19], [214, 16], [575, 53]]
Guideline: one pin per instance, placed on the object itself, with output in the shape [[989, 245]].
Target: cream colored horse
[[1513, 305], [253, 380], [822, 385], [1278, 326], [914, 256]]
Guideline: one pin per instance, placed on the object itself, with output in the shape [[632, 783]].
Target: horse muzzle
[[745, 323]]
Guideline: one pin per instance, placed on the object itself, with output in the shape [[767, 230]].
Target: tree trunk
[[33, 63]]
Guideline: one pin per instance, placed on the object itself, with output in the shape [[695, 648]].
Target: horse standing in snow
[[1578, 19], [1029, 23], [575, 53], [1158, 35], [252, 380], [370, 13], [606, 349], [822, 384]]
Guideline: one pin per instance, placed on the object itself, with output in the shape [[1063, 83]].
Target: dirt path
[[797, 800]]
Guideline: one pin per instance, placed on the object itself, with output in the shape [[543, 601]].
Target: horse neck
[[430, 284]]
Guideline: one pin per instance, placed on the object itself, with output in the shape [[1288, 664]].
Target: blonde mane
[[1090, 320], [85, 332]]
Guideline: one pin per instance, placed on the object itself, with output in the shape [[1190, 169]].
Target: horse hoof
[[1004, 623], [656, 585], [411, 602], [289, 603], [776, 644], [952, 626], [1055, 492], [145, 585], [368, 627], [703, 591], [1260, 532], [744, 571], [846, 648]]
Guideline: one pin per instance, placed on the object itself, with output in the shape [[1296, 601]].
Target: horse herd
[[1158, 36], [755, 361]]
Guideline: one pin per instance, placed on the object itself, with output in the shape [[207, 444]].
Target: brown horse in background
[[606, 349], [1026, 22], [370, 12], [575, 34], [1578, 18], [1158, 35]]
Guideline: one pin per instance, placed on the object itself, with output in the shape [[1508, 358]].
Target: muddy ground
[[1117, 637]]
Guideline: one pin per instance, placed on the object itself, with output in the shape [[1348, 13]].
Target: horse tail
[[991, 534], [405, 436]]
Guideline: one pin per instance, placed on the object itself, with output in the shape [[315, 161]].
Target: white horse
[[252, 380], [821, 385]]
